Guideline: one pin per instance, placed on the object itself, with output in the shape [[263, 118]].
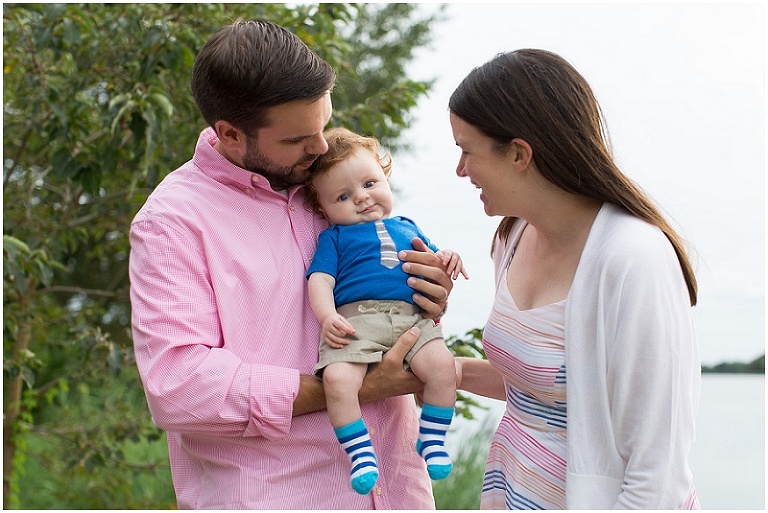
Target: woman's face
[[486, 169]]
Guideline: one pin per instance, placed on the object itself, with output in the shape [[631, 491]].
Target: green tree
[[96, 111]]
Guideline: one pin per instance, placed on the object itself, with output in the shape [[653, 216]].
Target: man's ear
[[229, 135]]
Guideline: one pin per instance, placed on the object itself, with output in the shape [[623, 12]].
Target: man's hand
[[388, 378], [429, 277], [385, 379]]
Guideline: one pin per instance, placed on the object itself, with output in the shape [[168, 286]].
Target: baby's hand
[[452, 262], [335, 328]]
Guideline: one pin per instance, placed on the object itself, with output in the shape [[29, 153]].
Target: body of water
[[728, 459]]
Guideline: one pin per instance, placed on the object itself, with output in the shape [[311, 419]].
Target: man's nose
[[316, 145]]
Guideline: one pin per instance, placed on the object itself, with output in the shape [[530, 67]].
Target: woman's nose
[[460, 169]]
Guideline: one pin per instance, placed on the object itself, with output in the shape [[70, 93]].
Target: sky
[[682, 88]]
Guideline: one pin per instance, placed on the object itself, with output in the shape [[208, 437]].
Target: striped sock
[[433, 425], [356, 441]]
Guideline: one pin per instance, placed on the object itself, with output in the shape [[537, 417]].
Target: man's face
[[283, 151]]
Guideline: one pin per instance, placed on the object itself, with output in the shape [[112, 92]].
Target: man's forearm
[[384, 379], [311, 396]]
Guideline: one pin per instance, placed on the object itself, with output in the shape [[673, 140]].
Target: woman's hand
[[429, 277]]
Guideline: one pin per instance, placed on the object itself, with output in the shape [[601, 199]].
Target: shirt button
[[378, 491], [292, 208], [371, 432]]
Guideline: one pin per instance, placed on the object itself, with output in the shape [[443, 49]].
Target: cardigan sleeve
[[652, 377], [641, 371]]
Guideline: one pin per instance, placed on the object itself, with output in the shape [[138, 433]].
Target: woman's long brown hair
[[538, 96]]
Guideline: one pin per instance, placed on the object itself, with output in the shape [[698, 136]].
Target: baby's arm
[[453, 264], [334, 326]]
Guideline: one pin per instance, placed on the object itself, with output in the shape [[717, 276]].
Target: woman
[[593, 302]]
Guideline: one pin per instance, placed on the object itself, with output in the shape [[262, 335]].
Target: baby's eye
[[369, 184], [343, 197]]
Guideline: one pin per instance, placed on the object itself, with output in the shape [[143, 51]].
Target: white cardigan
[[632, 366]]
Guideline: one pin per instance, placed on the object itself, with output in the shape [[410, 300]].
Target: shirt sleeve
[[652, 374], [193, 384], [420, 234]]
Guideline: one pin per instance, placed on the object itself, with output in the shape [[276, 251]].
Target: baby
[[360, 297]]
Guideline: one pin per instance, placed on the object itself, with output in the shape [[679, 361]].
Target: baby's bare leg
[[434, 365], [342, 382]]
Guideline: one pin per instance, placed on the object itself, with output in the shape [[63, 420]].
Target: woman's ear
[[522, 153]]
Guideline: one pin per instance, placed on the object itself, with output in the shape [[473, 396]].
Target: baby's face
[[355, 190]]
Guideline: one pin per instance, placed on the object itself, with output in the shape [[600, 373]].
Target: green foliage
[[118, 463], [462, 489], [468, 346], [756, 366], [381, 34], [96, 111]]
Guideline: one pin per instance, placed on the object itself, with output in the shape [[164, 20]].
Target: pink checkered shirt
[[222, 329]]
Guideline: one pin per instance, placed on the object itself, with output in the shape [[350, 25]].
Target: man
[[224, 335]]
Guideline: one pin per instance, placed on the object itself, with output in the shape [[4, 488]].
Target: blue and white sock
[[356, 441], [433, 425]]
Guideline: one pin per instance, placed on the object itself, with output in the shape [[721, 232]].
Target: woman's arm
[[479, 377], [653, 381]]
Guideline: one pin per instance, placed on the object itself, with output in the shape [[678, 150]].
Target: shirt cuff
[[273, 391]]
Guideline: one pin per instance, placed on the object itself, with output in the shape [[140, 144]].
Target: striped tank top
[[527, 459]]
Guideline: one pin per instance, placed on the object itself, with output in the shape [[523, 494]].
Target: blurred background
[[97, 111]]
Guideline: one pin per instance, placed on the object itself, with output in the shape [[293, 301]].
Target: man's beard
[[279, 177]]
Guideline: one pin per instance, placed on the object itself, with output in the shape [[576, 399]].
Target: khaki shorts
[[378, 325]]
